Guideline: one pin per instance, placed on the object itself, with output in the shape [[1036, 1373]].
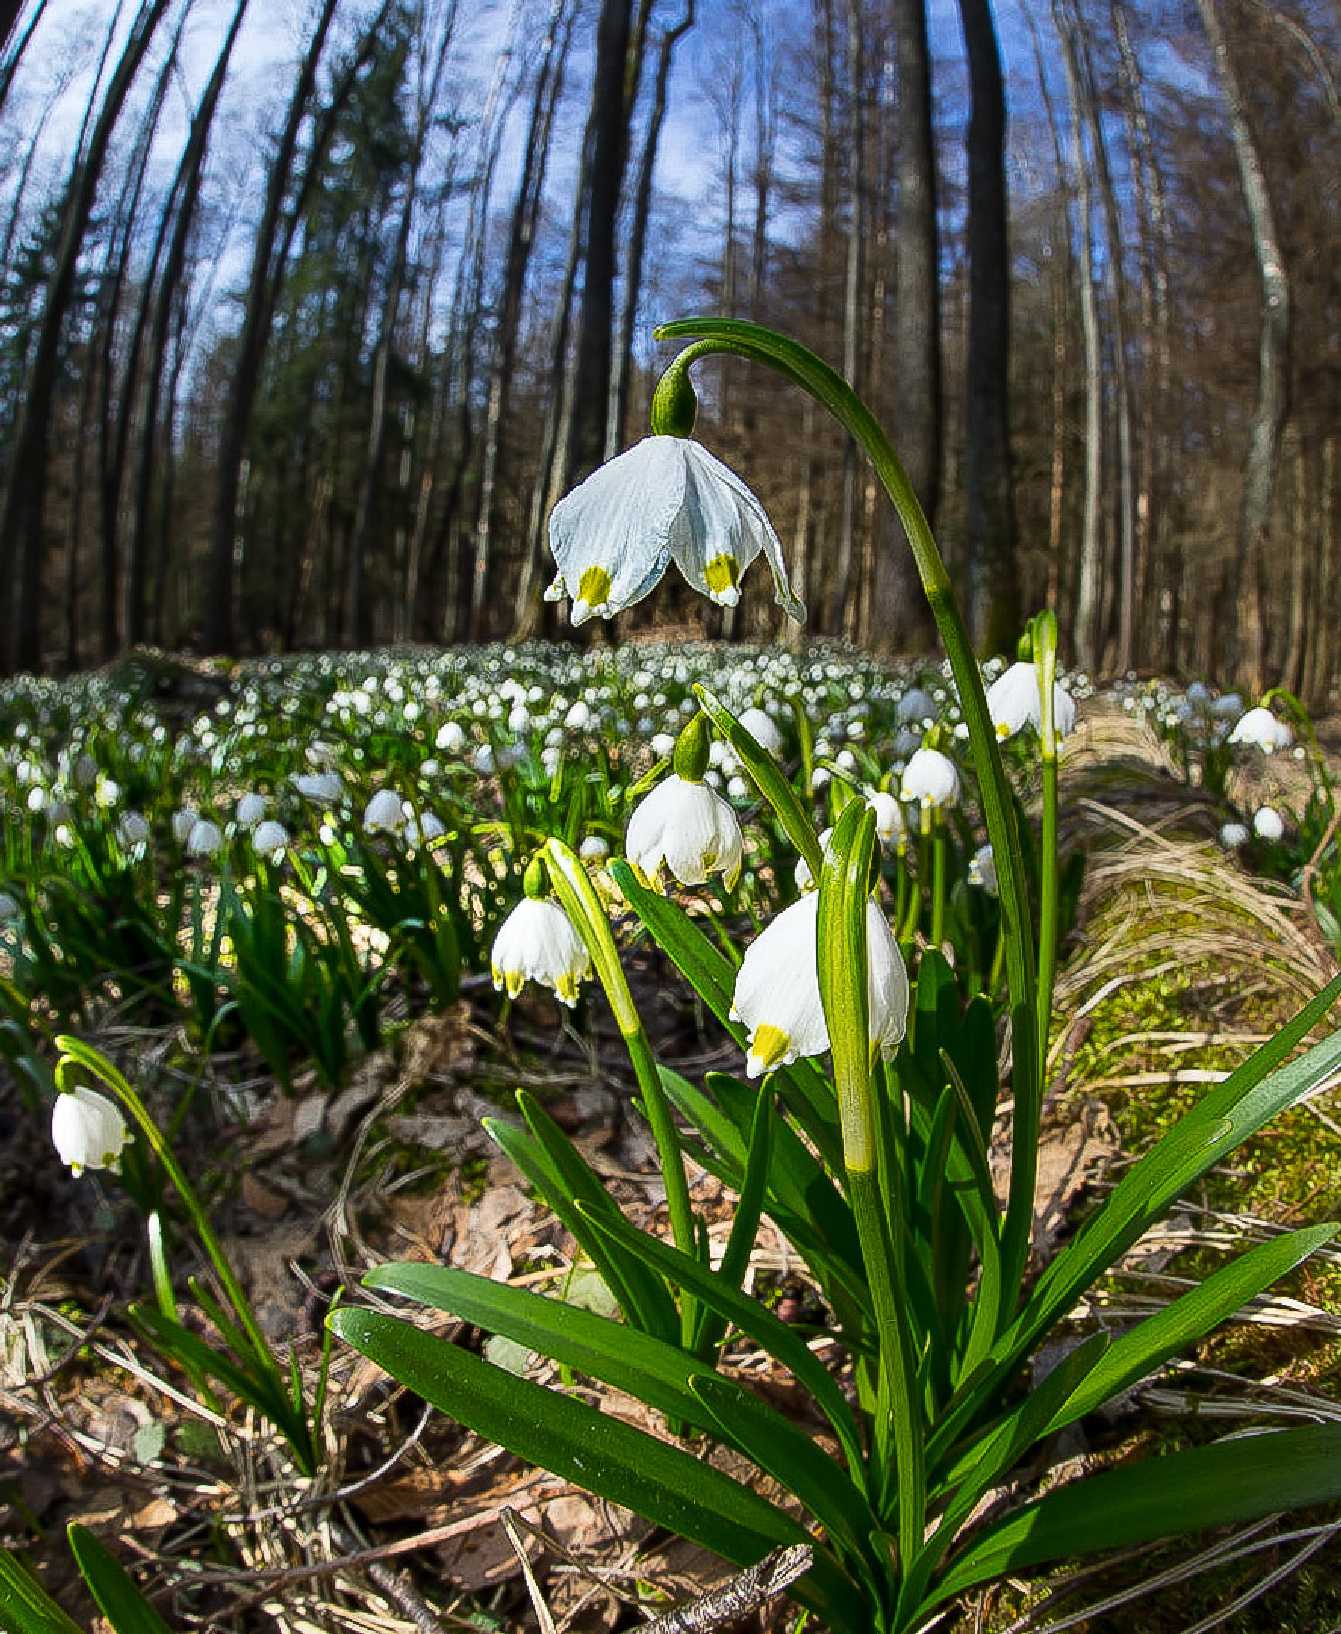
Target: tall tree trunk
[[23, 520], [989, 483], [902, 617], [1273, 367], [190, 175], [521, 242], [218, 623], [621, 374], [1089, 595], [608, 125], [841, 605]]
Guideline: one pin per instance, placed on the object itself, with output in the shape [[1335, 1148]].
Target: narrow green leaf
[[751, 1318], [645, 1367], [120, 1602], [1225, 1484], [25, 1606], [1170, 1331], [768, 777], [600, 1453]]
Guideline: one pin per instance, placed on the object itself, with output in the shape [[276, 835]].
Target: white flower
[[251, 809], [578, 718], [805, 880], [9, 908], [931, 779], [763, 728], [88, 1130], [384, 813], [663, 745], [982, 869], [537, 943], [777, 988], [594, 848], [1233, 835], [914, 707], [888, 816], [270, 838], [1014, 701], [1268, 824], [324, 786], [204, 839], [666, 498], [451, 737], [183, 822], [1260, 728], [133, 829], [689, 828]]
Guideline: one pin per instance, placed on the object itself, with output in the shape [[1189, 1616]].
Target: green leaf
[[668, 1487], [768, 777], [1168, 1332], [120, 1602], [646, 1367], [25, 1606], [751, 1318], [1225, 1484]]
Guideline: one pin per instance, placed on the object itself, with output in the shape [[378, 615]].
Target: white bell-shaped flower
[[1260, 729], [1234, 835], [88, 1131], [537, 942], [777, 992], [914, 707], [689, 827], [1268, 824], [664, 499], [324, 786], [930, 779], [205, 839], [763, 729], [451, 737], [1014, 701], [982, 869], [384, 813], [888, 817], [133, 829], [183, 822], [805, 880], [251, 809], [270, 839]]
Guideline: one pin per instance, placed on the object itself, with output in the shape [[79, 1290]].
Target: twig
[[745, 1592]]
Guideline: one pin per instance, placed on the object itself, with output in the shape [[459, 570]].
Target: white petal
[[753, 520]]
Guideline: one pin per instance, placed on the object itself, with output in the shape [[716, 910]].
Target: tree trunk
[[989, 484], [902, 617], [1273, 368], [608, 126], [218, 624], [841, 594], [22, 522]]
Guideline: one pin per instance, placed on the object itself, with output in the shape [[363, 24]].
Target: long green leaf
[[1221, 1485], [780, 1341], [671, 1488], [645, 1367], [25, 1606], [1170, 1331], [120, 1602], [768, 777]]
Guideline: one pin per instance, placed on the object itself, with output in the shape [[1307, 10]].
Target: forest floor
[[1179, 965]]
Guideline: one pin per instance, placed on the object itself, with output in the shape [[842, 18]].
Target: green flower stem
[[827, 387], [841, 955], [75, 1052], [1045, 661], [575, 891], [938, 849]]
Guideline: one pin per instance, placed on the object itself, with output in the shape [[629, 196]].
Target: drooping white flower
[[1233, 835], [982, 869], [666, 499], [689, 827], [888, 816], [205, 839], [537, 942], [777, 992], [251, 809], [88, 1131], [1268, 824], [183, 822], [325, 786], [1261, 730], [578, 718], [764, 729], [270, 838], [133, 829], [384, 813], [805, 880], [10, 910], [1014, 701], [451, 737], [914, 707], [930, 779], [594, 848]]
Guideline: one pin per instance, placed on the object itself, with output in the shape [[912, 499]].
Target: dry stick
[[542, 1611], [745, 1592]]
